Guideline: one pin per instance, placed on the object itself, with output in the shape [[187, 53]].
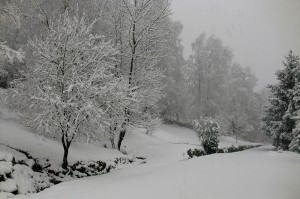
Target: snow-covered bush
[[199, 152], [207, 130], [196, 152], [71, 87]]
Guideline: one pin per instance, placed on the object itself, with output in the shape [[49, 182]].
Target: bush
[[199, 152], [207, 130], [196, 152]]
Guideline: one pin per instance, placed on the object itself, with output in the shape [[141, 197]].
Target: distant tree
[[236, 124], [9, 19], [207, 130], [71, 86], [172, 103], [244, 110], [279, 122], [210, 63], [9, 23]]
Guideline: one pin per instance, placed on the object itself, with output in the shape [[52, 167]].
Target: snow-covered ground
[[259, 173], [39, 147], [256, 173]]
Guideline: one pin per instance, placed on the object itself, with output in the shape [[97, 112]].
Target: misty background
[[258, 32]]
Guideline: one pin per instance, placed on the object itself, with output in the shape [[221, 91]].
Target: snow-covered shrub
[[89, 168], [199, 152], [196, 152], [207, 130]]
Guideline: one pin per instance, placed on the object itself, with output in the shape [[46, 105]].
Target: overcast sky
[[260, 32]]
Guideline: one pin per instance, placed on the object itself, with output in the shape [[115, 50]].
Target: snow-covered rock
[[29, 162], [9, 186], [5, 195], [23, 175], [5, 168], [5, 156]]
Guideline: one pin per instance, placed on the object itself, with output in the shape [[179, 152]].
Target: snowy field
[[256, 173]]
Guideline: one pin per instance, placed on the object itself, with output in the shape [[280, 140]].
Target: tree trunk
[[66, 146], [65, 163], [121, 138]]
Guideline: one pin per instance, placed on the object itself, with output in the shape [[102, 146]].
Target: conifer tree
[[279, 122]]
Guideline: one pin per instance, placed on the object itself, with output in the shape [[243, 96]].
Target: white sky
[[260, 32]]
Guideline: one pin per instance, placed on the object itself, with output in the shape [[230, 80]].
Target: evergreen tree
[[279, 122], [295, 144]]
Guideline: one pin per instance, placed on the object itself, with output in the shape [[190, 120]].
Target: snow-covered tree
[[6, 53], [207, 130], [210, 64], [279, 122], [243, 111], [71, 87], [141, 31], [9, 24], [9, 18], [236, 124], [295, 143], [172, 103]]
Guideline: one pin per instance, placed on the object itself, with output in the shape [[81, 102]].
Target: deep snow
[[257, 173]]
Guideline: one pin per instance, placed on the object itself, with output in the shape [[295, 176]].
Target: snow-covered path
[[259, 173]]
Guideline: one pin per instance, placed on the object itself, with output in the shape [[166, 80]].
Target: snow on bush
[[207, 130]]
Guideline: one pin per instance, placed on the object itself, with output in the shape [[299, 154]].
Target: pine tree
[[295, 144], [279, 122]]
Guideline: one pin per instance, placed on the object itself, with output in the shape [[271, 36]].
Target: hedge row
[[200, 152]]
